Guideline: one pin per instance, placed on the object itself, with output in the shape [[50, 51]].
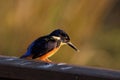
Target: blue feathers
[[28, 53]]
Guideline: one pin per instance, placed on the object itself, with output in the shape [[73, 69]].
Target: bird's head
[[59, 34]]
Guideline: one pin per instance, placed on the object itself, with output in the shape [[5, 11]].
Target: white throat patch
[[55, 37]]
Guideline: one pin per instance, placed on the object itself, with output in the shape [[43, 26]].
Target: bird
[[46, 46]]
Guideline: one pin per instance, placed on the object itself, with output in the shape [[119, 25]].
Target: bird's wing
[[42, 46]]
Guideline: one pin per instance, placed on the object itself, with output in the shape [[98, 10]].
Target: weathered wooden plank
[[15, 68]]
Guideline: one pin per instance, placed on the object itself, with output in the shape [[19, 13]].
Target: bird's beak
[[71, 45]]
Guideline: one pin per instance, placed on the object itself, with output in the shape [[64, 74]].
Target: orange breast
[[49, 54]]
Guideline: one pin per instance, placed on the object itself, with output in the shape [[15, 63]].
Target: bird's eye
[[66, 37]]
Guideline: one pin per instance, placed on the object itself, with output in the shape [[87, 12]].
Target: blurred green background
[[93, 25]]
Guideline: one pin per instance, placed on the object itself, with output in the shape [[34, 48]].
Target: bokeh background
[[93, 25]]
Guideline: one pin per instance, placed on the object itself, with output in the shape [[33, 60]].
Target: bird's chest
[[52, 52], [55, 47]]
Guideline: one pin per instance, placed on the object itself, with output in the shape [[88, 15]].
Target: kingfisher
[[46, 46]]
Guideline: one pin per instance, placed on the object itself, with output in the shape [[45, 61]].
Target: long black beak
[[71, 45]]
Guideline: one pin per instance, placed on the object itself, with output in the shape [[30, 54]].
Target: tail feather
[[27, 54], [23, 56]]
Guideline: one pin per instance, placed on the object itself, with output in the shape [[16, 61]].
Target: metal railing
[[13, 68]]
